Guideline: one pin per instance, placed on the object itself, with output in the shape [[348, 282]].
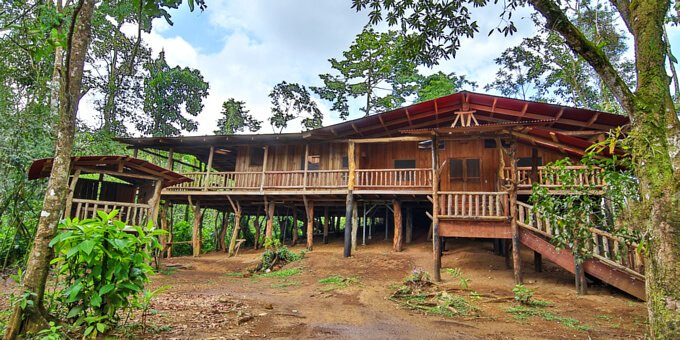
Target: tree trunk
[[37, 266], [235, 231]]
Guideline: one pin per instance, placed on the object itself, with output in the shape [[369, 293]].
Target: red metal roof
[[42, 167]]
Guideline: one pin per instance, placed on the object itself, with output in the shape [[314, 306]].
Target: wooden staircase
[[615, 261]]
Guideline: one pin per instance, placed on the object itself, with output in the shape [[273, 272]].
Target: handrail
[[130, 213], [473, 205], [587, 175], [606, 247], [396, 179]]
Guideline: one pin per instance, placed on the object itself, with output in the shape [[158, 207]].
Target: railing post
[[304, 176], [206, 178]]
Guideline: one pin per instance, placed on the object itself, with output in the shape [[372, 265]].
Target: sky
[[245, 47]]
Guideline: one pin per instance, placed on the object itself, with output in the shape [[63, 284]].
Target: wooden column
[[171, 160], [155, 203], [512, 193], [223, 231], [264, 167], [580, 277], [208, 168], [163, 239], [349, 202], [270, 222], [538, 258], [71, 192], [436, 242], [355, 225], [196, 234], [398, 240], [135, 153], [170, 227], [237, 225], [306, 165], [409, 224], [309, 207], [295, 227], [325, 225]]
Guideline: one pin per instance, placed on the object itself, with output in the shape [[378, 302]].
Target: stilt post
[[349, 202], [309, 208], [436, 243], [325, 225], [398, 240]]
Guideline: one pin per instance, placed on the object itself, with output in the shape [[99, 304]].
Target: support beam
[[349, 204], [223, 231], [295, 227], [196, 233], [325, 225], [398, 241], [237, 225], [512, 193], [436, 243], [309, 208], [269, 231], [208, 168], [355, 225]]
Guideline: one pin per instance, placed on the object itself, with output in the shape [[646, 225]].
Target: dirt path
[[209, 301]]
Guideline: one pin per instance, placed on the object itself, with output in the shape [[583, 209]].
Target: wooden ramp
[[614, 261]]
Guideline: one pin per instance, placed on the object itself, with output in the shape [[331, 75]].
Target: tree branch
[[623, 6], [559, 22]]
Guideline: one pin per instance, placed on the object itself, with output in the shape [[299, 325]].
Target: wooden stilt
[[170, 227], [436, 243], [409, 224], [237, 225], [349, 205], [270, 222], [325, 225], [538, 262], [164, 226], [295, 227], [355, 225], [196, 234], [309, 207], [223, 231], [398, 240], [512, 193]]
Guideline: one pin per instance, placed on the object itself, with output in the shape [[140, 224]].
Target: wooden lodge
[[457, 166]]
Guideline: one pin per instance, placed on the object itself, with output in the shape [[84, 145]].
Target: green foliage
[[376, 66], [290, 101], [440, 84], [523, 294], [572, 216], [235, 118], [168, 92], [523, 312], [277, 255], [288, 272], [457, 273], [417, 293], [53, 332], [103, 269]]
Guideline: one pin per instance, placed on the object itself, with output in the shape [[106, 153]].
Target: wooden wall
[[290, 157]]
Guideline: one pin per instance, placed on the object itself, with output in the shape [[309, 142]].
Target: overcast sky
[[245, 47]]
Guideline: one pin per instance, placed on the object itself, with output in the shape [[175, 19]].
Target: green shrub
[[277, 255], [523, 294], [103, 269]]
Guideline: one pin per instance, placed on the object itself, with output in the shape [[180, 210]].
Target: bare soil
[[207, 300]]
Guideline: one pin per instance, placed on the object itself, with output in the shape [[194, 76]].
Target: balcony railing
[[130, 213], [473, 205], [586, 176], [395, 179]]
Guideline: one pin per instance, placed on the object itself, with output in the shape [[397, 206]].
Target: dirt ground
[[207, 300]]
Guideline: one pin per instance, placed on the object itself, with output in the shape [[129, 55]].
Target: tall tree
[[438, 26], [440, 84], [168, 92], [235, 118], [376, 66], [77, 28], [291, 101]]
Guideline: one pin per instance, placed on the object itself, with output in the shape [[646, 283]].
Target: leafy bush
[[277, 255], [523, 295], [102, 268]]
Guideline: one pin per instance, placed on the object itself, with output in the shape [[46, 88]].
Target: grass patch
[[338, 282], [282, 273], [167, 271], [524, 312], [234, 274], [285, 284], [419, 294]]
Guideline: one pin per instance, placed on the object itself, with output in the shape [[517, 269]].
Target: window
[[526, 161], [465, 169], [456, 169], [404, 163], [345, 162], [256, 156], [313, 162]]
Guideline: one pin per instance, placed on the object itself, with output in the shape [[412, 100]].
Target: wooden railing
[[473, 205], [606, 247], [586, 176], [294, 179], [130, 213], [393, 178], [327, 179]]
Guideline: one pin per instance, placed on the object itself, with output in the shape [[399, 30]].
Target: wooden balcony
[[585, 176], [130, 213], [394, 179]]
